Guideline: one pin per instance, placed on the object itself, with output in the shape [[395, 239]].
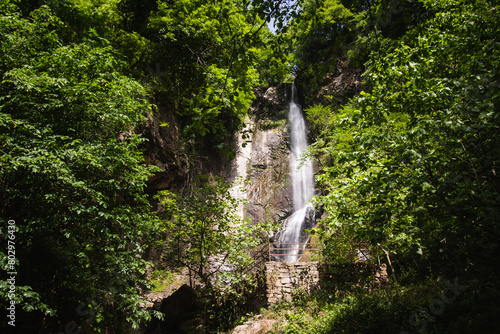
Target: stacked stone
[[283, 279]]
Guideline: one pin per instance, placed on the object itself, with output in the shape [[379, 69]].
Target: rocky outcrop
[[341, 83], [269, 191], [265, 165], [181, 311], [257, 325], [178, 160], [269, 103], [380, 278], [163, 149]]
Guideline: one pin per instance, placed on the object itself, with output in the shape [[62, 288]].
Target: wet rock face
[[269, 193], [309, 222], [269, 190]]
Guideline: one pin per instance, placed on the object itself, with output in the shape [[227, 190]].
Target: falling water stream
[[302, 178]]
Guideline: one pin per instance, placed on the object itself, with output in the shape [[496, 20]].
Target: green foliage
[[327, 34], [433, 306], [200, 60], [205, 235], [208, 54], [356, 313], [270, 124], [410, 167], [161, 279], [318, 118], [319, 35], [75, 191], [203, 228], [77, 78]]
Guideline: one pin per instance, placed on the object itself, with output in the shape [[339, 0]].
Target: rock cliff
[[269, 190]]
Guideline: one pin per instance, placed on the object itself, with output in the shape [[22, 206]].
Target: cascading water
[[302, 177]]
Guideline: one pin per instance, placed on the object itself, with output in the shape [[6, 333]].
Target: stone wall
[[285, 279]]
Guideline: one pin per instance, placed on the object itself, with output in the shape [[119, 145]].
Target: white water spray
[[302, 176]]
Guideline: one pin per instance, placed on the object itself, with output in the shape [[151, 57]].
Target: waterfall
[[302, 178], [302, 174]]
